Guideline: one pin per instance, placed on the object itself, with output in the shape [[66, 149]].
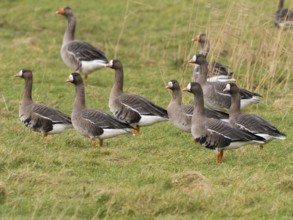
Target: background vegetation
[[162, 174]]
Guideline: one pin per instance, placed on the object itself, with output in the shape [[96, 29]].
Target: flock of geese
[[214, 120]]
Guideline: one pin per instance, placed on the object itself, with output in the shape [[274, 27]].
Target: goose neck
[[203, 73], [205, 48], [177, 96], [28, 85], [118, 84], [235, 105], [198, 105], [79, 102], [70, 30]]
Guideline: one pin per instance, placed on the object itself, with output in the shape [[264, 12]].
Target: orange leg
[[261, 146], [220, 156], [101, 143], [135, 131], [94, 144], [44, 135]]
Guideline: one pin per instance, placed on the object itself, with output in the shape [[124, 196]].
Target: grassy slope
[[163, 174]]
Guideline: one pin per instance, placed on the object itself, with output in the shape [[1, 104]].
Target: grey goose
[[93, 123], [250, 122], [39, 117], [81, 56], [180, 115], [215, 98], [213, 133], [283, 17], [131, 108], [218, 71]]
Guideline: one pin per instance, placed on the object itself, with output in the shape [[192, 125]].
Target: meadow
[[160, 174]]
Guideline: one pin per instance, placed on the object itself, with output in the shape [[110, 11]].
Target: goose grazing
[[130, 108], [219, 72], [283, 17], [215, 98], [38, 117], [93, 123], [249, 122], [81, 56], [213, 133], [180, 115]]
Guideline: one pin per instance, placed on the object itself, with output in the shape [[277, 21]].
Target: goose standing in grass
[[250, 122], [213, 133], [215, 98], [93, 123], [38, 117], [283, 17], [218, 72], [133, 109], [180, 115], [81, 56]]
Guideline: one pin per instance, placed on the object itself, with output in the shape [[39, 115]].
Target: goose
[[283, 17], [180, 115], [215, 98], [219, 72], [39, 117], [213, 133], [81, 56], [93, 123], [130, 108], [250, 122]]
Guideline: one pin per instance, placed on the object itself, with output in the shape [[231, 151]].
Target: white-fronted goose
[[283, 17], [218, 72], [93, 123], [38, 117], [133, 109], [213, 133], [250, 122], [215, 98], [180, 115], [81, 56]]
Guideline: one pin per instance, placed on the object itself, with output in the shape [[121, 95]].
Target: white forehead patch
[[170, 84], [111, 63], [228, 87], [193, 58], [188, 86], [20, 73], [70, 78]]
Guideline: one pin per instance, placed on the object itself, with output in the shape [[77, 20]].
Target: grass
[[161, 175]]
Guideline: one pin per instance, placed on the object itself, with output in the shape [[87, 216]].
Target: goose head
[[66, 11], [231, 88], [173, 85], [198, 59], [114, 64], [192, 87], [24, 73], [74, 78], [201, 38]]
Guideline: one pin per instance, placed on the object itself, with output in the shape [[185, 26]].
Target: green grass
[[161, 175]]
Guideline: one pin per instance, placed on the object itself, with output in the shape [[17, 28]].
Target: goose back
[[131, 108]]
